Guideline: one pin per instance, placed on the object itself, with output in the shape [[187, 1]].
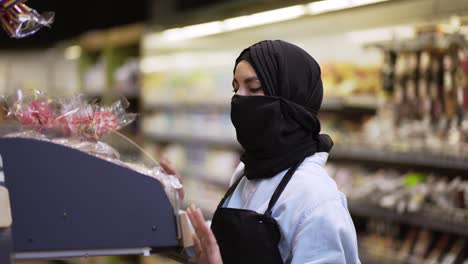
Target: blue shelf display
[[66, 203]]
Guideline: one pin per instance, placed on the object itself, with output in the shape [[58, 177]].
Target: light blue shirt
[[312, 213]]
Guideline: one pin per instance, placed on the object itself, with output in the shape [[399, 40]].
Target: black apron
[[245, 236]]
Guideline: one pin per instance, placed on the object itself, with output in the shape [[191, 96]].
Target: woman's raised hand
[[167, 166], [206, 246]]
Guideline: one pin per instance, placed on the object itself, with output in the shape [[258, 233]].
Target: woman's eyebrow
[[251, 79]]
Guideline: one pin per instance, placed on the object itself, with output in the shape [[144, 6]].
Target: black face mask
[[271, 137], [257, 120]]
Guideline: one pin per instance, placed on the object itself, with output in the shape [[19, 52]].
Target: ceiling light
[[194, 31], [327, 6], [365, 2], [334, 5], [257, 19], [264, 18]]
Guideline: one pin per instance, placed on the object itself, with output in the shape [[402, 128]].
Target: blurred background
[[395, 75]]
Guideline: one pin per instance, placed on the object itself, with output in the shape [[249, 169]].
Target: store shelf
[[428, 41], [368, 258], [413, 219], [426, 160], [190, 107], [223, 184], [115, 37], [434, 162], [363, 103], [193, 139]]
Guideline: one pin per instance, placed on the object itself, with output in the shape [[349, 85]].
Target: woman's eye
[[255, 90]]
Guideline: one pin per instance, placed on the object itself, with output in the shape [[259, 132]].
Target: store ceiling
[[354, 23], [76, 17], [192, 4]]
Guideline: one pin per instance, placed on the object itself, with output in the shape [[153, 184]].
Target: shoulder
[[311, 195], [311, 185], [309, 188], [238, 172]]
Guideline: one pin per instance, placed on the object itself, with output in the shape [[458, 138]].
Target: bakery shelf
[[414, 219], [81, 204], [424, 160]]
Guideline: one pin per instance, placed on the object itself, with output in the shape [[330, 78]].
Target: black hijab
[[281, 128]]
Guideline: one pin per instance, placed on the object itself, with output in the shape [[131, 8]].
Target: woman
[[282, 207]]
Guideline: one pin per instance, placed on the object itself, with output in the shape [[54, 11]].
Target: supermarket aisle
[[395, 77]]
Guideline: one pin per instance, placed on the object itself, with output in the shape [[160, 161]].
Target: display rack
[[424, 160], [362, 209], [415, 160], [424, 41], [366, 104], [66, 203], [368, 259]]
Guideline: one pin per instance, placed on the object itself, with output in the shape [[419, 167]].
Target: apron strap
[[230, 191], [276, 194], [282, 186]]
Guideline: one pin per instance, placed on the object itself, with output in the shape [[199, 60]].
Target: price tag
[[187, 230], [5, 211]]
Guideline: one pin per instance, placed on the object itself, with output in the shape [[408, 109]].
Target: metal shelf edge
[[352, 153], [185, 139], [329, 104], [400, 158], [414, 219]]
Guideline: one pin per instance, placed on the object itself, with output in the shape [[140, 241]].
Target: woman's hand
[[205, 244], [167, 166]]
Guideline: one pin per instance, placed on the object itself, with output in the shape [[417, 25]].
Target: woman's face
[[246, 82]]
